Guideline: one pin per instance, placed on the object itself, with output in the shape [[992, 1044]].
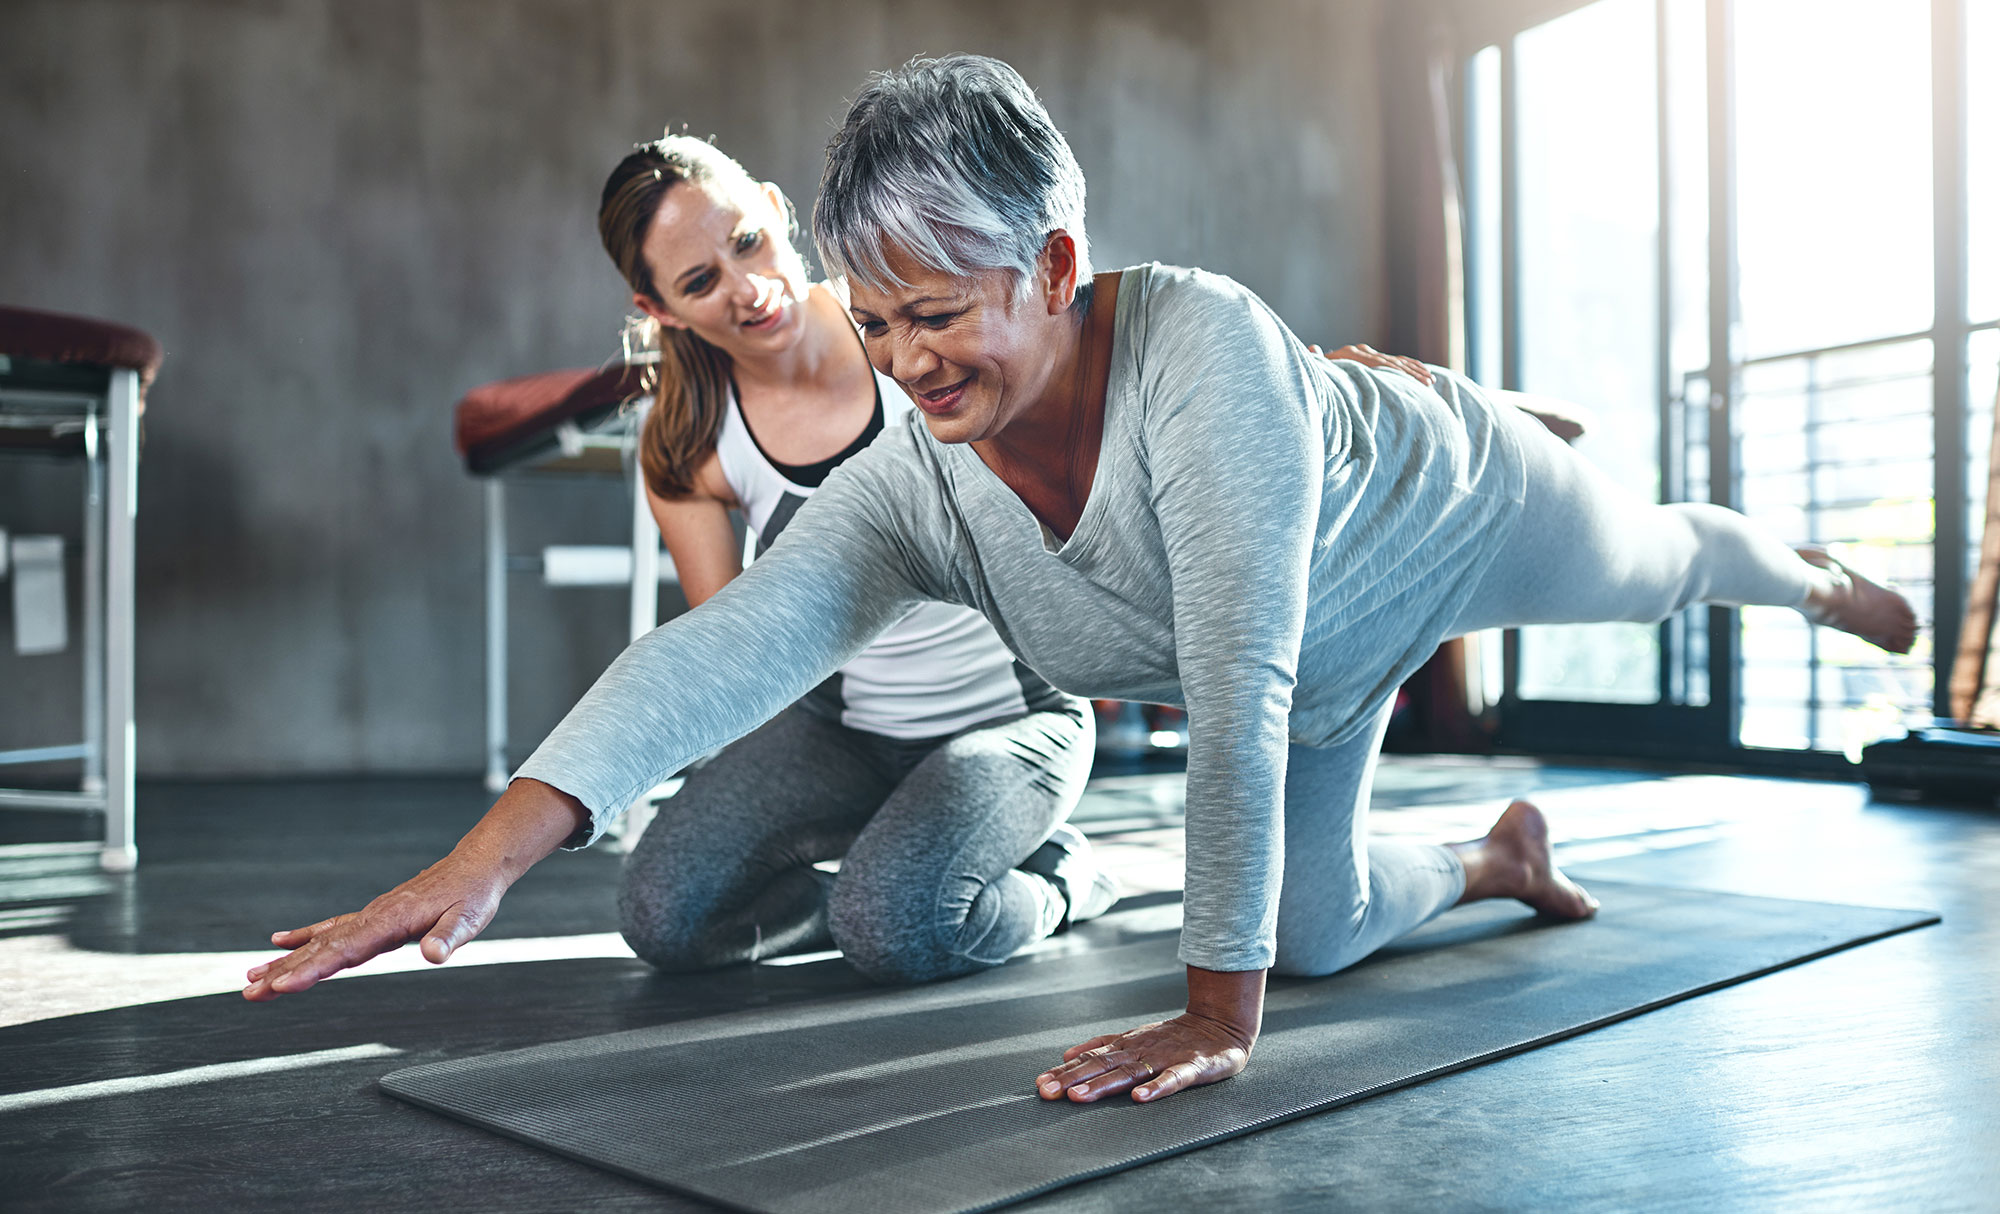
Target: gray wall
[[340, 214]]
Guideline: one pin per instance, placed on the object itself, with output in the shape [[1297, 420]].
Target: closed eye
[[937, 320]]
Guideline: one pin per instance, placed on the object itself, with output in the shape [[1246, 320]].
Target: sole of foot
[[1522, 864], [1869, 610]]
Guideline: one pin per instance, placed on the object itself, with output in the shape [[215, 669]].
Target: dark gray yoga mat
[[921, 1101]]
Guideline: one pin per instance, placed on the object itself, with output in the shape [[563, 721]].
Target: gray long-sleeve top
[[1272, 540]]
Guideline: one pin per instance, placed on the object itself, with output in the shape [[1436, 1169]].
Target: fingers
[[1173, 1079], [1119, 1078], [299, 935], [296, 938], [1095, 1043], [1080, 1063], [1369, 356], [1083, 1077], [339, 943]]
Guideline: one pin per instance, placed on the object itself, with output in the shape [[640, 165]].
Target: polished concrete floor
[[132, 1076]]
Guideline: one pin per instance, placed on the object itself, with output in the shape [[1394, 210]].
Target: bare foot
[[1515, 860], [1854, 604]]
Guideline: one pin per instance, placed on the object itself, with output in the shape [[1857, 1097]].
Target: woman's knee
[[671, 935], [891, 936], [1316, 950]]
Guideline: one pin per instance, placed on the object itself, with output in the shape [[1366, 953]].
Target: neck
[[1045, 435]]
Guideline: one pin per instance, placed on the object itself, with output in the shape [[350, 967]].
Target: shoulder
[[735, 458], [1187, 330], [710, 482], [1179, 294], [1171, 316]]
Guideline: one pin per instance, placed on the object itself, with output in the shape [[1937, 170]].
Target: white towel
[[41, 612]]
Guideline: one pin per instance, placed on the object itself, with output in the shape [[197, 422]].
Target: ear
[[658, 312], [780, 204], [1057, 267]]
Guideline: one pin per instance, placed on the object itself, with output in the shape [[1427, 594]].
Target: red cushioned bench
[[515, 421], [73, 387]]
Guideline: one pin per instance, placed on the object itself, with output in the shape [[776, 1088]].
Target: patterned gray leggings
[[928, 833]]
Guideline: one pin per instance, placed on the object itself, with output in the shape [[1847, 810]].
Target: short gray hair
[[954, 162]]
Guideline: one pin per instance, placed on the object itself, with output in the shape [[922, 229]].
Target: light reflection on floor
[[43, 976]]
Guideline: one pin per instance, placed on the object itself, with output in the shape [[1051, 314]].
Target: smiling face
[[724, 268], [974, 353]]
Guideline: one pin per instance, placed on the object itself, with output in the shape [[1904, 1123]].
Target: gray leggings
[[1585, 550], [928, 834]]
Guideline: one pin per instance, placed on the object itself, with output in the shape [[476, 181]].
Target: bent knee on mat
[[672, 949], [1315, 954], [678, 939], [892, 941]]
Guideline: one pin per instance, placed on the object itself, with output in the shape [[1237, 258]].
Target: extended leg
[[930, 889], [1588, 550]]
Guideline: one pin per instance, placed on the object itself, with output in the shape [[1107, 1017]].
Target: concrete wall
[[340, 214]]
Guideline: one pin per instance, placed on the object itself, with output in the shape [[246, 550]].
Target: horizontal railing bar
[[1835, 423], [22, 798], [45, 754], [1886, 461], [1843, 348], [12, 853], [1832, 386], [46, 396]]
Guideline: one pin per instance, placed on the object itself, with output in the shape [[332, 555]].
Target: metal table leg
[[121, 852], [93, 607], [497, 770]]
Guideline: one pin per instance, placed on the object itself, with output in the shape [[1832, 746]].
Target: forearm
[[530, 820], [1232, 999]]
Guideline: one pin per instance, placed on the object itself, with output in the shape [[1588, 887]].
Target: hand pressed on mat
[[444, 906], [1205, 1044]]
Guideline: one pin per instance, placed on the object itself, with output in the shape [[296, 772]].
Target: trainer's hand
[[1205, 1044], [1369, 356], [444, 906]]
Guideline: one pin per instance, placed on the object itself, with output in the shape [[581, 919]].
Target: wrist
[[530, 820], [1232, 999]]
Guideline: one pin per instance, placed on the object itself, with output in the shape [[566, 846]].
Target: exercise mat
[[921, 1101]]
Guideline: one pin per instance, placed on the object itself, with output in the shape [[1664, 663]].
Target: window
[[1591, 277]]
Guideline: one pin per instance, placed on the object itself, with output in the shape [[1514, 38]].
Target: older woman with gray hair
[[1154, 491]]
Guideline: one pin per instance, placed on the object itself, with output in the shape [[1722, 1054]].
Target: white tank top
[[936, 671]]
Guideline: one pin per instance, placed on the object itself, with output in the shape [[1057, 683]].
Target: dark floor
[[1867, 1079]]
